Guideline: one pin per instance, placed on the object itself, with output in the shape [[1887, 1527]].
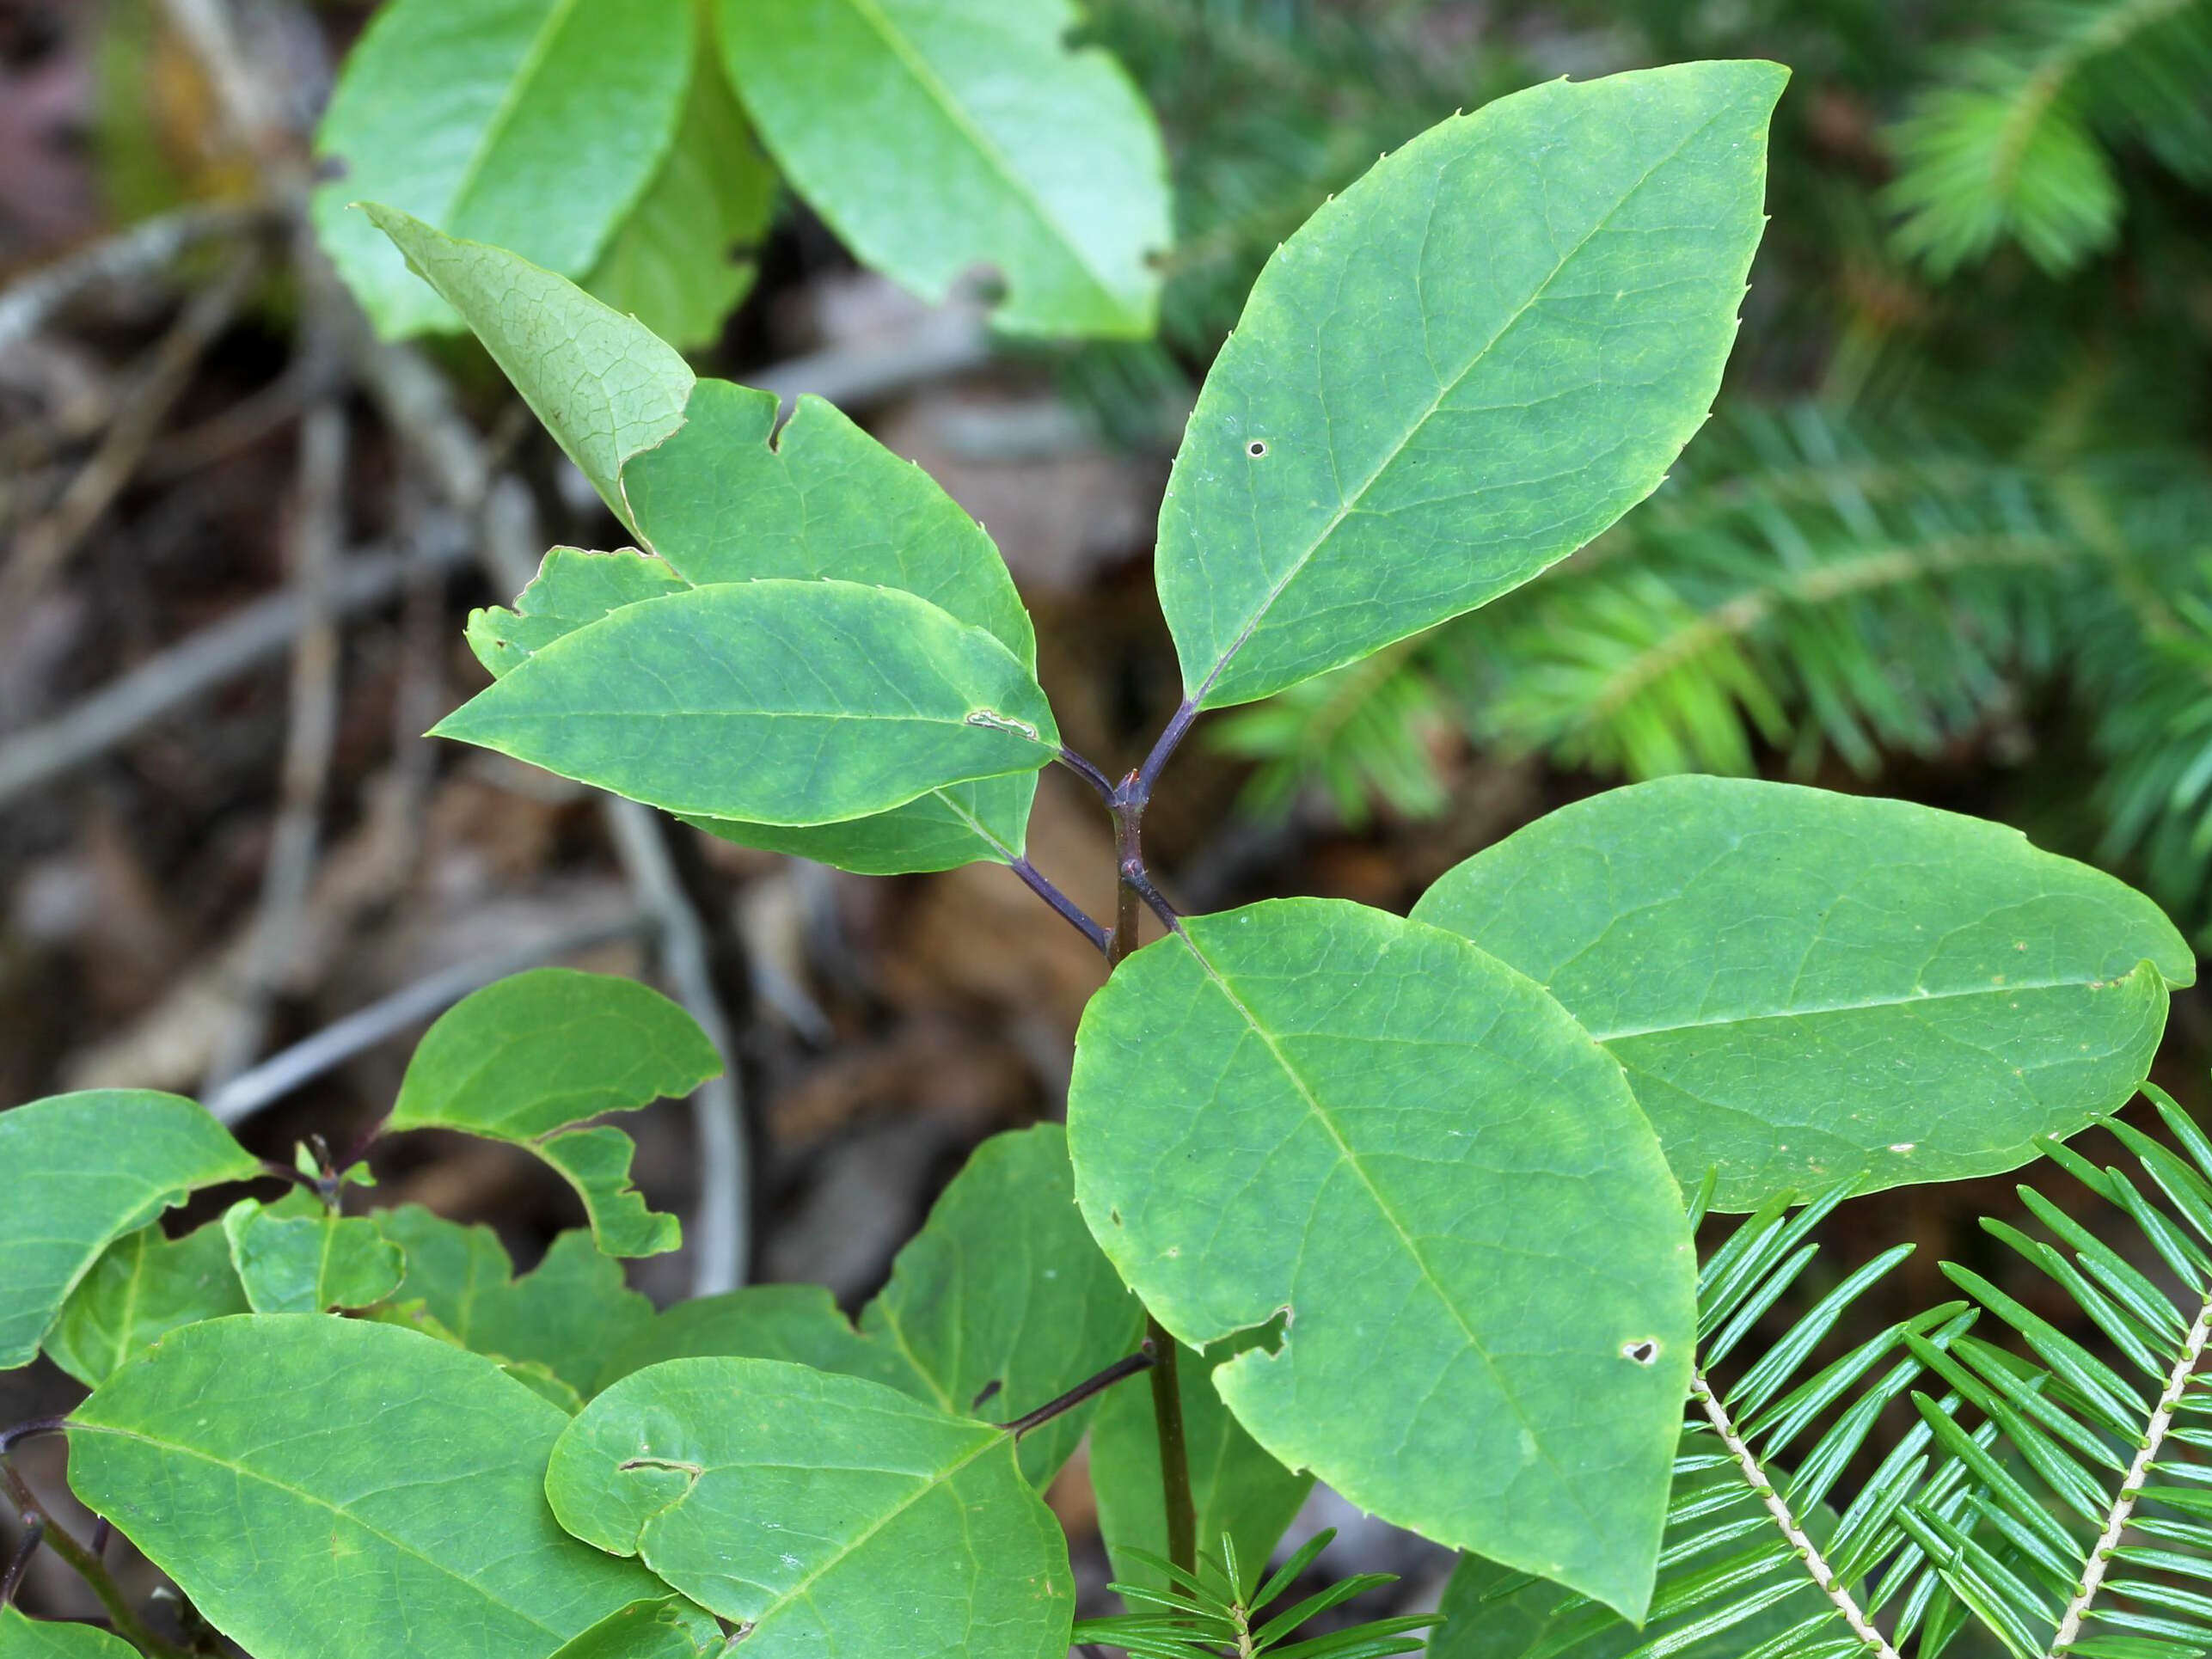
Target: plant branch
[[1174, 1447], [87, 1566], [2131, 1484], [1088, 773], [1076, 916], [1167, 1390], [1163, 751], [34, 1529], [1808, 1552], [1141, 1360]]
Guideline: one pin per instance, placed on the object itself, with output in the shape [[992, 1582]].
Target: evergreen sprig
[[1214, 1611]]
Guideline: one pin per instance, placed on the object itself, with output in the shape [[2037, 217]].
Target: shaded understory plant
[[1398, 1203]]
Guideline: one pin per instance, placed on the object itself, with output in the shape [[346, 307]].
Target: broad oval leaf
[[774, 701], [568, 1314], [521, 1060], [603, 384], [728, 498], [685, 255], [1462, 369], [964, 133], [1401, 1147], [537, 1051], [1000, 1304], [1806, 988], [308, 1264], [828, 1514], [1236, 1487], [390, 1489], [532, 123], [143, 1287], [83, 1169], [27, 1638]]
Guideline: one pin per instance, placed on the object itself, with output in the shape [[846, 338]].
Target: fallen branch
[[309, 738], [146, 246], [337, 1043], [45, 546], [242, 642]]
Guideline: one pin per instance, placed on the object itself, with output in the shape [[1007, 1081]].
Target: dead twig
[[335, 1044], [216, 655], [46, 546], [146, 246], [312, 731]]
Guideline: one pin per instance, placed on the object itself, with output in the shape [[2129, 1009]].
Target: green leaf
[[1402, 1148], [597, 1163], [1000, 1304], [1003, 1302], [726, 498], [799, 1323], [604, 385], [532, 123], [390, 1490], [83, 1169], [667, 1629], [144, 1286], [23, 1638], [310, 1264], [572, 589], [1236, 1488], [1806, 988], [684, 257], [960, 823], [540, 1050], [1462, 369], [965, 134], [774, 701], [522, 1060], [826, 1512], [568, 1314]]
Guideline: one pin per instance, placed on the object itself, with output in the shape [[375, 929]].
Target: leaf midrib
[[1351, 1160], [992, 1439], [932, 85], [247, 1472], [1817, 1010], [1346, 508], [541, 47]]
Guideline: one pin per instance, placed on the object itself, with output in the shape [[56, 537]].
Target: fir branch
[[2131, 1484], [1808, 1552]]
